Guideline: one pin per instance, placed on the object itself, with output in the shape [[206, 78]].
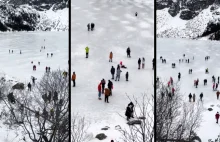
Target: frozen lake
[[172, 50], [19, 65], [116, 28]]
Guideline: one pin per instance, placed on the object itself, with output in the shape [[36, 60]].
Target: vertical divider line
[[155, 70], [69, 62]]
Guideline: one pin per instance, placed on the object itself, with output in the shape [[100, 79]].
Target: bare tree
[[79, 129], [176, 118], [43, 113], [143, 112]]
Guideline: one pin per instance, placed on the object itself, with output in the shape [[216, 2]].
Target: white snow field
[[172, 50], [116, 28], [18, 67]]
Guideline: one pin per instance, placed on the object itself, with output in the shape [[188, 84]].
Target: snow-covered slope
[[172, 50], [116, 28], [176, 19]]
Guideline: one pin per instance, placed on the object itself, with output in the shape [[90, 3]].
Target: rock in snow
[[101, 136]]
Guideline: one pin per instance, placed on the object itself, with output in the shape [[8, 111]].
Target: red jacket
[[99, 87], [217, 116], [173, 90]]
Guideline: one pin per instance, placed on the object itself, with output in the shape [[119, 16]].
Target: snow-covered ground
[[172, 50], [18, 67], [116, 28]]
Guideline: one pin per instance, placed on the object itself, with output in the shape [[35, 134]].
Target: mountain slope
[[32, 16], [188, 18]]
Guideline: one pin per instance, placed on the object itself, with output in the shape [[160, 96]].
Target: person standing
[[88, 26], [128, 52], [103, 85], [194, 97], [118, 72], [139, 63], [126, 76], [112, 72], [74, 79], [110, 86], [217, 117], [107, 93], [99, 91], [217, 94], [29, 86], [110, 57], [87, 51], [179, 76], [190, 97], [143, 63], [201, 96]]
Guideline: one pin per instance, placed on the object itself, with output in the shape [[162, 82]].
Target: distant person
[[29, 86], [12, 51], [51, 54], [136, 14], [88, 26], [217, 117], [129, 52], [110, 57], [99, 91], [112, 72], [217, 94], [20, 51], [87, 51], [74, 79], [201, 96], [92, 26], [139, 63], [47, 54], [9, 50], [143, 63], [126, 76], [34, 67], [107, 94]]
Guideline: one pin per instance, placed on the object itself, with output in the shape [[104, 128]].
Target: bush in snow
[[43, 113]]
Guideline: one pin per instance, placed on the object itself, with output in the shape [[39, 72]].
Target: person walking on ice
[[139, 63], [29, 86], [112, 72], [74, 79], [190, 97], [128, 52], [118, 72], [87, 51], [126, 76], [110, 57], [201, 96], [143, 63], [194, 97], [99, 91], [217, 117], [107, 93], [103, 85], [217, 94]]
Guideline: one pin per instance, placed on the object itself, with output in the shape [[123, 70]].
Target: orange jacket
[[111, 55], [107, 92], [74, 77]]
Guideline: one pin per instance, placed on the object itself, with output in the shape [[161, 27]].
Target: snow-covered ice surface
[[172, 50], [18, 67], [116, 28]]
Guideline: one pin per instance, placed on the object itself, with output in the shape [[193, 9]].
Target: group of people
[[192, 97], [90, 26]]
